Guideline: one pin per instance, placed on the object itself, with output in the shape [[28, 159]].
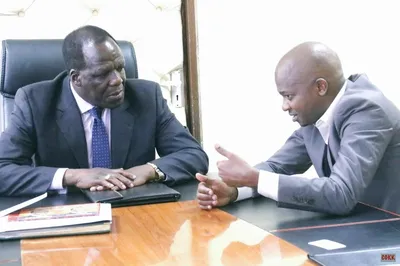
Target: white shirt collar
[[327, 116], [324, 123], [83, 105]]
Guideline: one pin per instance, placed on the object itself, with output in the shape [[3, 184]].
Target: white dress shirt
[[87, 120], [268, 182]]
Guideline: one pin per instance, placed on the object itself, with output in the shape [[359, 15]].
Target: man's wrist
[[70, 177], [253, 177], [234, 194], [151, 173], [156, 175]]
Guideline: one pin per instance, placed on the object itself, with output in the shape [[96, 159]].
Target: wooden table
[[176, 233]]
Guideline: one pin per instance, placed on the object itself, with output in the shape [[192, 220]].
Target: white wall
[[153, 26], [240, 43]]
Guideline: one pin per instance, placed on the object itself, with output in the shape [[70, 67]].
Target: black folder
[[150, 193], [374, 235]]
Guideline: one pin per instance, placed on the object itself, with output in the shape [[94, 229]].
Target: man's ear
[[322, 86], [75, 77]]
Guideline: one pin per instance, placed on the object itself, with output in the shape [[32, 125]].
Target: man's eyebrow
[[101, 69]]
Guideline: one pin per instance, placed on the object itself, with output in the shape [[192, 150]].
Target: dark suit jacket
[[363, 156], [46, 123]]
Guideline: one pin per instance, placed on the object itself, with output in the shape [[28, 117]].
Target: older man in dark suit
[[349, 131], [91, 127]]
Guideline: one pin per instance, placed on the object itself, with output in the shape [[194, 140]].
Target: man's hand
[[144, 173], [99, 178], [214, 192], [235, 171]]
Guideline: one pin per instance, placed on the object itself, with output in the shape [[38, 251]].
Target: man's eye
[[100, 74], [289, 97]]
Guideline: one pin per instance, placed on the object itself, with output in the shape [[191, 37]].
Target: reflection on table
[[176, 233]]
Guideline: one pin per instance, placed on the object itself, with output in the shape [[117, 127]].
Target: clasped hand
[[234, 172], [97, 179]]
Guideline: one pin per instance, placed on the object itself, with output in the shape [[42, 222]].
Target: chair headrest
[[29, 61]]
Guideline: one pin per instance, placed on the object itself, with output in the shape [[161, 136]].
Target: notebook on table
[[76, 219], [150, 193]]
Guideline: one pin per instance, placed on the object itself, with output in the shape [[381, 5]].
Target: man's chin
[[301, 123], [114, 103]]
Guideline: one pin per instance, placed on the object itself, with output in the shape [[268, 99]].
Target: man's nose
[[285, 105], [116, 79]]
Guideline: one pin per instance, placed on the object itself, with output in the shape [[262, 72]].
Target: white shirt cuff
[[245, 193], [268, 185], [57, 183]]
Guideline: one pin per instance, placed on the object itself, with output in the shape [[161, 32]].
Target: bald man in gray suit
[[349, 131]]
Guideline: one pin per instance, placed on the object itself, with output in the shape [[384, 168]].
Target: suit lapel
[[122, 120], [353, 78], [333, 146], [69, 121], [334, 141]]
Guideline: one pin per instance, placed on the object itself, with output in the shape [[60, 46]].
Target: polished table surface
[[176, 233], [254, 213]]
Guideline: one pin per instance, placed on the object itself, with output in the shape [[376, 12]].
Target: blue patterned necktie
[[100, 144]]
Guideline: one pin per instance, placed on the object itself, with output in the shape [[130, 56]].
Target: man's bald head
[[309, 77], [308, 61]]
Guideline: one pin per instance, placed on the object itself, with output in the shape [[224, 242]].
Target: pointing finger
[[223, 151]]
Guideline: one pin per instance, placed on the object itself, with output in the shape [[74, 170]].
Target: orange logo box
[[388, 257]]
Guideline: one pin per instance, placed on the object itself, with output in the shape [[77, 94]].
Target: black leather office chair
[[28, 61]]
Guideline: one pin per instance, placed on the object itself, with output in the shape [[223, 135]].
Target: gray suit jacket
[[363, 156], [46, 122]]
